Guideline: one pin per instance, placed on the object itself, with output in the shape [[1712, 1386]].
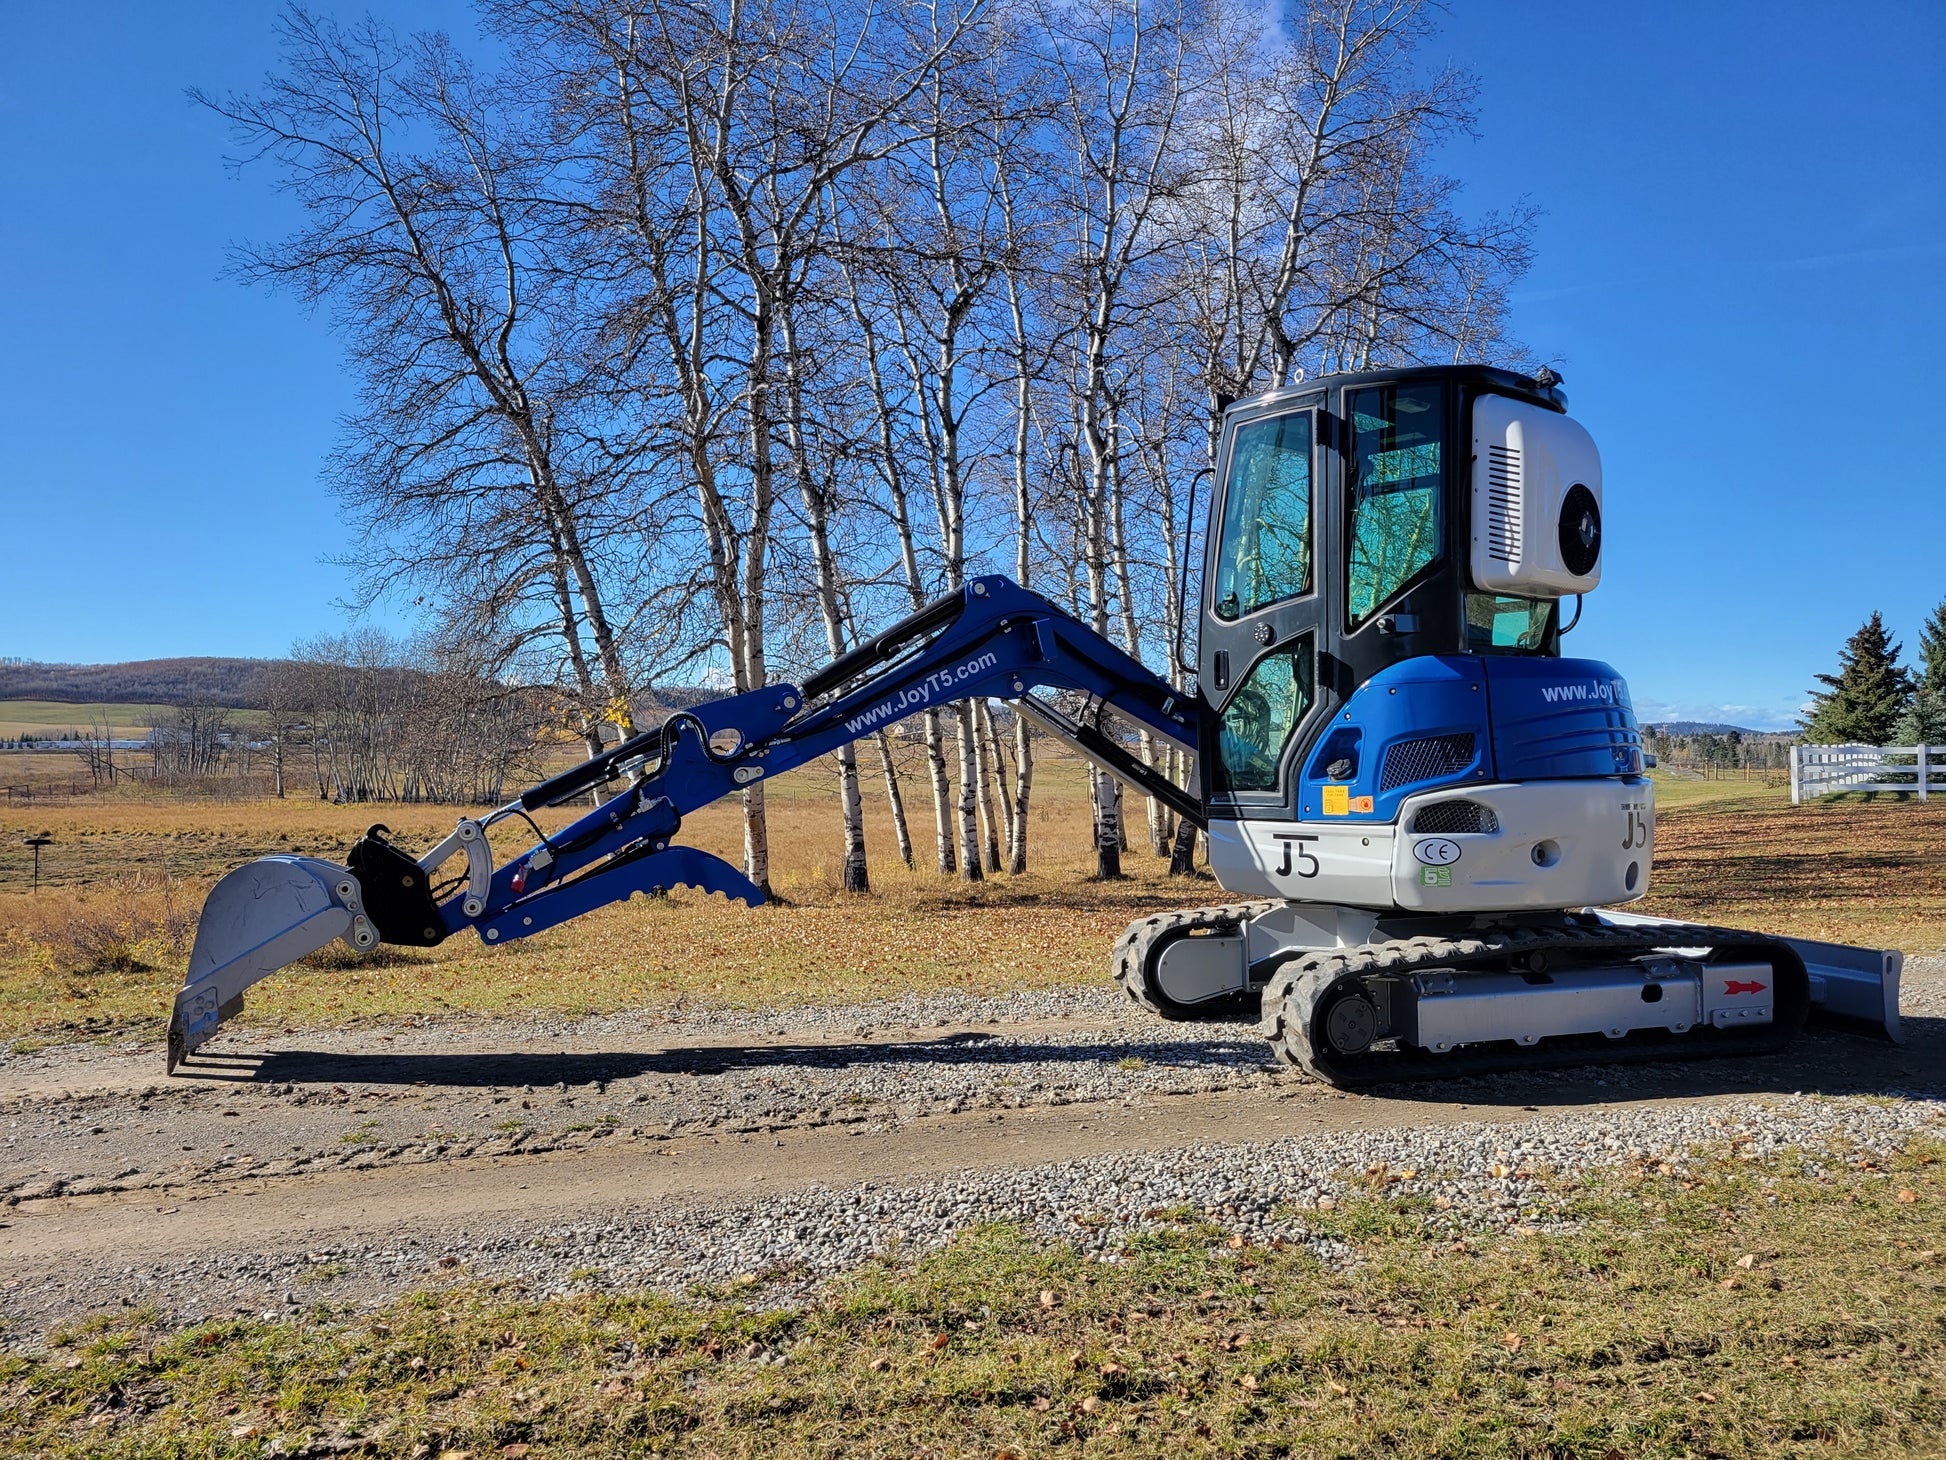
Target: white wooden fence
[[1820, 770]]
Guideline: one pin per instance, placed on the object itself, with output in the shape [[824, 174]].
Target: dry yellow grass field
[[102, 948]]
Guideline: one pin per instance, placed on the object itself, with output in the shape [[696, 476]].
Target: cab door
[[1267, 582]]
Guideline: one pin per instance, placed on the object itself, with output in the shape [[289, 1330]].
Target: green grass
[[51, 717], [1736, 1309], [1680, 791]]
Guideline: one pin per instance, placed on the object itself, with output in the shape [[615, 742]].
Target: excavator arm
[[991, 639]]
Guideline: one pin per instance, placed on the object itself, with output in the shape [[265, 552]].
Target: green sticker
[[1435, 876]]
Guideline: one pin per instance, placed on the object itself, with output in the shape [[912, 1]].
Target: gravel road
[[622, 1151]]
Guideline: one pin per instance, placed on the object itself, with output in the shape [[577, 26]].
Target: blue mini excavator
[[1426, 812]]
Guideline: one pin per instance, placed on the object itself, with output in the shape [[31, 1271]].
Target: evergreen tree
[[1932, 654], [1862, 702], [1924, 720]]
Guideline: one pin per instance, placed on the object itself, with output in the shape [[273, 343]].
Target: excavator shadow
[[1821, 1061], [1818, 1062], [970, 1050]]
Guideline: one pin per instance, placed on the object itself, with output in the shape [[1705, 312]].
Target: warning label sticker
[[1337, 801]]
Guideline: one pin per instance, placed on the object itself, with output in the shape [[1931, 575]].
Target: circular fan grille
[[1580, 531]]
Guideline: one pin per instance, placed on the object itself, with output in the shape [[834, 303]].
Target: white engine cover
[[1526, 463], [1555, 844]]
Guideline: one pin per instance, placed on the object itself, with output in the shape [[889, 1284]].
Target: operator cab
[[1360, 521]]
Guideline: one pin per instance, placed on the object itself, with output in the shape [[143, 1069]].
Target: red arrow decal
[[1733, 987]]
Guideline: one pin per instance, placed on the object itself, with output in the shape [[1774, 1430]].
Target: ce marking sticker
[[1437, 851]]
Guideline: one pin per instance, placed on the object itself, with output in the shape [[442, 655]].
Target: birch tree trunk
[[894, 798], [891, 469], [994, 789], [985, 770], [855, 875]]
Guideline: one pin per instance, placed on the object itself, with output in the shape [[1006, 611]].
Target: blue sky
[[1738, 275]]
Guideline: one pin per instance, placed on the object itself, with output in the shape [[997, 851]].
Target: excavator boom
[[991, 639]]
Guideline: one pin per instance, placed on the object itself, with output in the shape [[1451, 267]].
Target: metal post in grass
[[37, 841]]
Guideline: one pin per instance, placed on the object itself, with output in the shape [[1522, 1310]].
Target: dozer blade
[[262, 917]]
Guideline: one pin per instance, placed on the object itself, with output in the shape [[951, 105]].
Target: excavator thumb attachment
[[266, 914]]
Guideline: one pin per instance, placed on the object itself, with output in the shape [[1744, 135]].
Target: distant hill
[[234, 683], [1708, 727]]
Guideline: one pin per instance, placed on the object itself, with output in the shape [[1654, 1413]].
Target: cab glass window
[[1261, 717], [1397, 435], [1500, 623], [1265, 551]]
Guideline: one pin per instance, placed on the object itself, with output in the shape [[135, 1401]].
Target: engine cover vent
[[1444, 818], [1430, 759]]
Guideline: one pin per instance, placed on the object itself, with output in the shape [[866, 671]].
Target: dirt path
[[348, 1166]]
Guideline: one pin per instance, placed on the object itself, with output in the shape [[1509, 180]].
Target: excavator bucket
[[261, 917]]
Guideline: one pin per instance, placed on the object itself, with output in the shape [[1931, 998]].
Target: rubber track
[[1135, 951], [1297, 990]]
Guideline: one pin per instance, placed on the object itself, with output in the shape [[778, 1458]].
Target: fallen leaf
[[1747, 1261], [1730, 1284], [1336, 1387], [244, 1432], [1512, 1341], [1907, 1194], [879, 1365], [1113, 1370], [940, 1340], [1249, 1381], [415, 1363], [1442, 1202], [1048, 1298], [1076, 1359], [1705, 1397], [515, 1450], [1042, 1404], [1236, 1242], [1090, 1404], [1500, 1171]]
